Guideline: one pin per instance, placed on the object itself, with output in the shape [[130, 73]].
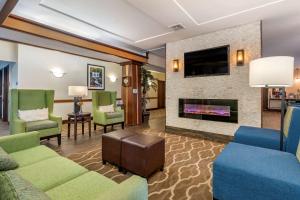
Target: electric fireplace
[[222, 110]]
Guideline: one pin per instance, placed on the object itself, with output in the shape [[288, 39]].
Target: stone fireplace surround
[[233, 86]]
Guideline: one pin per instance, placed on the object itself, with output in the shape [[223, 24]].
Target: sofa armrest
[[57, 119], [134, 188], [99, 117], [17, 126], [18, 142]]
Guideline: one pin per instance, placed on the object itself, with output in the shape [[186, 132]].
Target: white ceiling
[[145, 24]]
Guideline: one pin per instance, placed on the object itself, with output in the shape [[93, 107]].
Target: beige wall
[[8, 51], [235, 86], [296, 85], [34, 65]]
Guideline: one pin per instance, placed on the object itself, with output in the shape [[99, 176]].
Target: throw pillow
[[6, 162], [109, 108], [14, 187], [298, 151], [287, 120], [33, 115]]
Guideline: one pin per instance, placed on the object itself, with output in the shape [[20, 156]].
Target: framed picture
[[95, 77]]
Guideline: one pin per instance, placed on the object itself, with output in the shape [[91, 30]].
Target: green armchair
[[105, 98], [27, 99]]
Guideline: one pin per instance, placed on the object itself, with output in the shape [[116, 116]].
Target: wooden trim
[[67, 52], [7, 8], [34, 28], [72, 100], [202, 134], [151, 97]]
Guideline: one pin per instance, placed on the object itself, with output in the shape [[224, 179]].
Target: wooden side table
[[79, 118]]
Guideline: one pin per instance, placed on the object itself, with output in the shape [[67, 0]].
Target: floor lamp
[[273, 72]]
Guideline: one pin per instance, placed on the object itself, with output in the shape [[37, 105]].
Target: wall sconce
[[240, 57], [112, 78], [58, 73], [175, 65]]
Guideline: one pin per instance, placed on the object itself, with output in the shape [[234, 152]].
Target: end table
[[79, 118]]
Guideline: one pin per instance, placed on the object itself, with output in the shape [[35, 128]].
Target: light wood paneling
[[27, 26], [132, 101]]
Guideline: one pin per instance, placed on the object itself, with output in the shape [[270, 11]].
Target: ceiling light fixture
[[226, 16]]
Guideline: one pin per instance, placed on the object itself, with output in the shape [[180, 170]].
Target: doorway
[[161, 93], [4, 88]]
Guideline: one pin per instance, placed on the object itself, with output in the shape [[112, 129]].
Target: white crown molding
[[225, 16]]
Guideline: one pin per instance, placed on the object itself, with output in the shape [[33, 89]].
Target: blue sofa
[[269, 138], [244, 172], [251, 167]]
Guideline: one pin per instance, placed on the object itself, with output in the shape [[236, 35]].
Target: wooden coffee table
[[79, 118]]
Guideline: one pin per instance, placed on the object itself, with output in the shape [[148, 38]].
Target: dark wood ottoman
[[143, 154], [111, 146]]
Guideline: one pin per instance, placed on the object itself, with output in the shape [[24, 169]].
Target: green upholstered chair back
[[103, 98], [29, 99]]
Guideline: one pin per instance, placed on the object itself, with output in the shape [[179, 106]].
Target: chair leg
[[94, 126], [59, 139], [122, 125], [105, 129]]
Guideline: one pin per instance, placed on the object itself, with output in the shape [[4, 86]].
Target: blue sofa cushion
[[248, 172], [260, 137]]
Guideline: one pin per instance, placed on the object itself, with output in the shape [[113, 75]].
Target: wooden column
[[131, 92]]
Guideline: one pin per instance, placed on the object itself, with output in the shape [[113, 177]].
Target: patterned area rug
[[187, 173]]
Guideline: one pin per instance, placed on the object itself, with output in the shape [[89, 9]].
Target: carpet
[[187, 173]]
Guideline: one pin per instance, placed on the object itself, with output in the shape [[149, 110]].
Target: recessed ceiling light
[[225, 16]]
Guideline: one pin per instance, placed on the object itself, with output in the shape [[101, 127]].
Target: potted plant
[[147, 82]]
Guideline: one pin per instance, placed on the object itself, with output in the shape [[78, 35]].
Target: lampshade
[[77, 91], [277, 71]]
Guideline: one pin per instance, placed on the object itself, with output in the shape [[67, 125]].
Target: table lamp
[[77, 92], [273, 72]]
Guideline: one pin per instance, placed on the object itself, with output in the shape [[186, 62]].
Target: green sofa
[[104, 98], [28, 99], [62, 179]]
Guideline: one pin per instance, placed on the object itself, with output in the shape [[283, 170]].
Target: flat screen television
[[208, 62]]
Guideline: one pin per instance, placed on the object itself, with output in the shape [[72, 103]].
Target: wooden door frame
[[5, 93], [158, 95]]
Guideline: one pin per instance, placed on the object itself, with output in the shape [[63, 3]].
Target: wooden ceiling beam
[[7, 8], [34, 28]]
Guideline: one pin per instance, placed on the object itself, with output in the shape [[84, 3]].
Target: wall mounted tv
[[208, 62]]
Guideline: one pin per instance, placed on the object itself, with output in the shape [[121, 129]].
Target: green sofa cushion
[[50, 173], [33, 155], [14, 187], [32, 99], [48, 132], [88, 186], [112, 115], [40, 125], [6, 161]]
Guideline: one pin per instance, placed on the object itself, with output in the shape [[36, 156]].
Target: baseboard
[[202, 134], [149, 109]]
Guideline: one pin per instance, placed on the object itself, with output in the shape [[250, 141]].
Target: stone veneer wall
[[233, 86]]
